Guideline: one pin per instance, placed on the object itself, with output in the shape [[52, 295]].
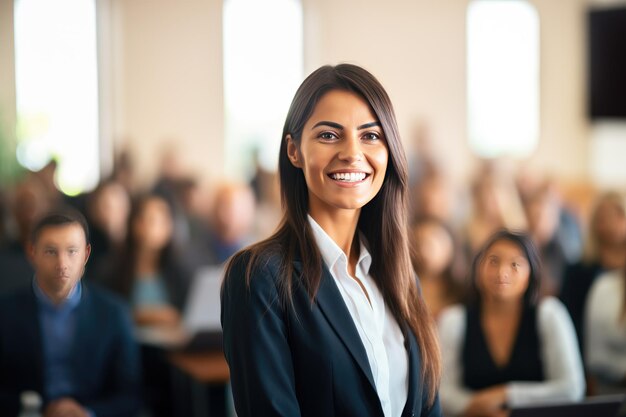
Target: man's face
[[59, 256]]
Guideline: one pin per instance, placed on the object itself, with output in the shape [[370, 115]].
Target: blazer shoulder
[[266, 263], [17, 300], [252, 276]]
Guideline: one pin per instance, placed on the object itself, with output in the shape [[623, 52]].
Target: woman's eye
[[327, 136], [371, 136]]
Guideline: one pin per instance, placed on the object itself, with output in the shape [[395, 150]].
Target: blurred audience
[[108, 207], [4, 216], [433, 194], [149, 274], [606, 250], [605, 333], [29, 202], [172, 183], [151, 277], [231, 222], [53, 336], [268, 212], [45, 178], [495, 205], [543, 213], [437, 262], [504, 349], [568, 232], [124, 170], [500, 346]]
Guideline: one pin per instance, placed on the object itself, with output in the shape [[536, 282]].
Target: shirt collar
[[71, 302], [331, 252]]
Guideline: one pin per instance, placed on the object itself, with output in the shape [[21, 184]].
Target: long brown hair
[[383, 221]]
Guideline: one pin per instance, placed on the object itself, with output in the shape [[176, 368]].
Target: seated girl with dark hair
[[149, 274], [504, 349]]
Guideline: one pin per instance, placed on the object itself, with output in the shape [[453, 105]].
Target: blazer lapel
[[334, 309], [414, 371]]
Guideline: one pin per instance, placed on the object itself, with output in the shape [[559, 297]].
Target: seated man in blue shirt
[[71, 343]]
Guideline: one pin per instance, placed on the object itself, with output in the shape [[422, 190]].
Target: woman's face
[[343, 153], [609, 223], [504, 272], [153, 227], [435, 247]]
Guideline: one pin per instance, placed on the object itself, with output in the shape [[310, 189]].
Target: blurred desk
[[199, 378], [204, 367], [200, 384]]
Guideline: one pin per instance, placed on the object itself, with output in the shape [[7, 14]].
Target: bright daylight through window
[[503, 78], [262, 69], [57, 89]]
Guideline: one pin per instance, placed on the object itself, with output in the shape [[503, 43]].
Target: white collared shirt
[[380, 334]]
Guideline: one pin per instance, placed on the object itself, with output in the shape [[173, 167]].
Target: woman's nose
[[504, 270], [351, 149]]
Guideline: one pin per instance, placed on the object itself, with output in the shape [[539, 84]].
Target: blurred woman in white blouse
[[605, 332], [504, 349]]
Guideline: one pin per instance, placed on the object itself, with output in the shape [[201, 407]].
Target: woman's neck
[[504, 308], [340, 226], [429, 276], [147, 262]]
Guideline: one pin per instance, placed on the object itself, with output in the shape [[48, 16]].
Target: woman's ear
[[293, 152]]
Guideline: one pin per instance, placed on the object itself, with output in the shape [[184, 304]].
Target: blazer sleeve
[[123, 398], [256, 343], [454, 396], [563, 369]]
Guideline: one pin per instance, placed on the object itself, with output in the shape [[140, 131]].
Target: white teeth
[[349, 176]]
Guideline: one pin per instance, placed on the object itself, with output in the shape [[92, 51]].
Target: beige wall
[[564, 145], [168, 82], [172, 74], [163, 77]]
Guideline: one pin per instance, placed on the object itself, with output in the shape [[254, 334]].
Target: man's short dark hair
[[60, 217]]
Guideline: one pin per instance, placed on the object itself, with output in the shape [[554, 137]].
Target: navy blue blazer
[[302, 361], [105, 357]]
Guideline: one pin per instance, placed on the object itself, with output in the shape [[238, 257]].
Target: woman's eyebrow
[[368, 125], [340, 127], [327, 123]]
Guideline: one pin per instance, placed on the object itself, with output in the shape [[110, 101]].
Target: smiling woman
[[325, 317], [342, 154], [505, 349]]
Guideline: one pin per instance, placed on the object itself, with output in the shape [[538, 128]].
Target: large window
[[262, 69], [56, 87], [503, 77]]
